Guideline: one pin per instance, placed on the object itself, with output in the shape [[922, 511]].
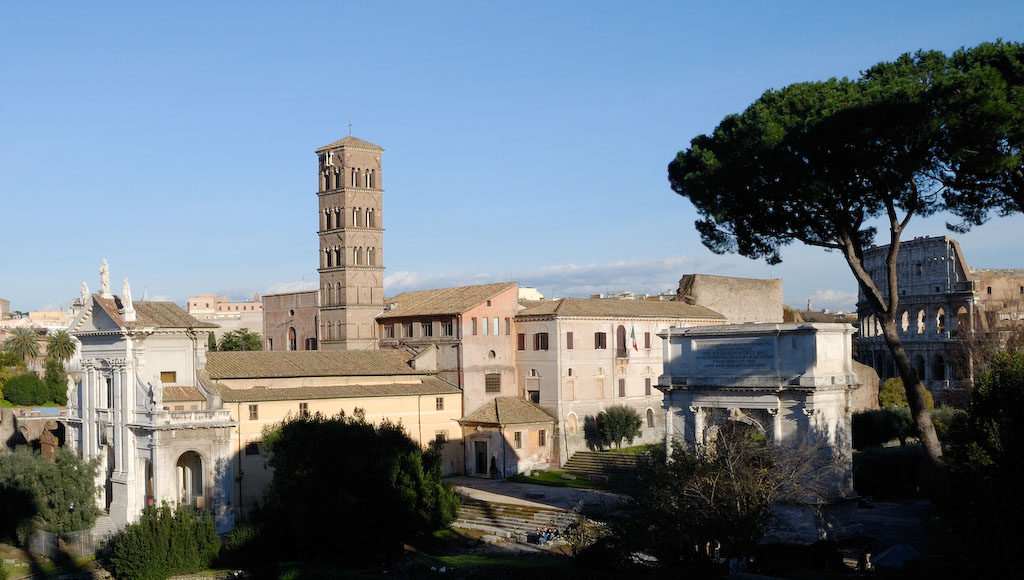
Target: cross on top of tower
[[350, 127]]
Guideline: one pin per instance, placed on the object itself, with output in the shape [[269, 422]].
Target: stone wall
[[740, 300]]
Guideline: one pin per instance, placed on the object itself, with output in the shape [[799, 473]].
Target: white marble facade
[[128, 355], [791, 382]]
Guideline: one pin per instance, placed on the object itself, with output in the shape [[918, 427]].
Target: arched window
[[366, 175], [570, 372], [371, 220], [354, 177], [329, 295], [904, 322], [355, 216], [533, 373], [370, 257], [338, 296], [330, 330], [291, 338], [620, 341], [368, 217], [355, 255], [940, 321], [330, 255], [574, 426], [962, 323], [920, 321], [650, 418], [938, 368], [370, 178]]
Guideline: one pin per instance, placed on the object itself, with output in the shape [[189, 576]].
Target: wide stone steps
[[103, 528], [510, 520], [598, 463]]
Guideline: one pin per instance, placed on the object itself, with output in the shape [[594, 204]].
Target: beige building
[[351, 243], [214, 307], [260, 389], [576, 357], [472, 329], [506, 436]]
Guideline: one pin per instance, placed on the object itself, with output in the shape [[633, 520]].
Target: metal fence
[[74, 544]]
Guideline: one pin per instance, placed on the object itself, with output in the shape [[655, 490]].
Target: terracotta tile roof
[[508, 411], [151, 314], [424, 386], [182, 394], [442, 300], [316, 363], [352, 142], [616, 308]]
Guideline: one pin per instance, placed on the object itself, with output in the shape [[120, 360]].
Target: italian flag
[[632, 335]]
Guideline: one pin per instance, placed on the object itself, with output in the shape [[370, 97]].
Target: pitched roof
[[508, 411], [150, 314], [351, 141], [308, 363], [442, 300], [616, 308], [424, 386], [182, 394]]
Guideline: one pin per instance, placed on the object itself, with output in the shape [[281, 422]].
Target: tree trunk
[[915, 392]]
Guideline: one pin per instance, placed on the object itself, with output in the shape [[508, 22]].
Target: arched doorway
[[191, 487]]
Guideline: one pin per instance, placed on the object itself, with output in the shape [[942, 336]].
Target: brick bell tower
[[351, 244]]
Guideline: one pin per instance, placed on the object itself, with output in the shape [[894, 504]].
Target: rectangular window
[[542, 438], [270, 343], [492, 383], [988, 290], [568, 340], [439, 404], [622, 387], [521, 341], [496, 333], [389, 331], [540, 341], [508, 323], [407, 329], [303, 409], [441, 437], [446, 328], [252, 448], [647, 340], [647, 387], [473, 324], [254, 412], [428, 329], [168, 376], [517, 441], [600, 340], [485, 326]]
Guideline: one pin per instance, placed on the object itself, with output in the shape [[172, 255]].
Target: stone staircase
[[103, 528], [596, 463], [510, 521]]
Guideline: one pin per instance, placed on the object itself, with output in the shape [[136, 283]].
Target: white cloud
[[282, 287], [834, 300], [642, 276]]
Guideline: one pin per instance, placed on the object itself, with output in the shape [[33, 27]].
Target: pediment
[[92, 319]]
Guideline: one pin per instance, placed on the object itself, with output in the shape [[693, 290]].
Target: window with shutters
[[622, 387], [600, 340], [540, 341], [568, 340], [521, 341], [492, 383], [447, 328], [542, 438], [517, 440], [647, 340], [428, 329], [254, 412], [647, 387]]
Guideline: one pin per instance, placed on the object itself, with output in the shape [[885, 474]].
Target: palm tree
[[60, 346], [22, 343]]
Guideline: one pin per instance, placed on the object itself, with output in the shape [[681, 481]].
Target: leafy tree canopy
[[619, 422], [59, 495], [894, 393], [60, 346], [982, 105], [820, 163], [333, 470], [22, 343], [241, 339]]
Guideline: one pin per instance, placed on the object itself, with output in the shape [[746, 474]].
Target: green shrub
[[25, 390], [892, 393], [619, 422], [56, 381], [871, 428], [945, 420], [165, 542]]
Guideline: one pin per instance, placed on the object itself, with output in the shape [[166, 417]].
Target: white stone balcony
[[192, 419]]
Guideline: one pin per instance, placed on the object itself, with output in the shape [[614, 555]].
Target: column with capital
[[698, 427], [776, 424], [115, 414], [87, 411]]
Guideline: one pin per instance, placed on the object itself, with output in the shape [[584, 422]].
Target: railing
[[189, 417]]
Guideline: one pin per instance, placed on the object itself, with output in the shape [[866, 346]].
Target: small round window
[[291, 313]]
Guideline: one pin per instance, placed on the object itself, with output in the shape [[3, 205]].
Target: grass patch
[[553, 477]]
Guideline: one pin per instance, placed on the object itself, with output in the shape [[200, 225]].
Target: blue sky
[[525, 140]]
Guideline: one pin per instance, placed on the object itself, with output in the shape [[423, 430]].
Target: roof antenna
[[350, 127]]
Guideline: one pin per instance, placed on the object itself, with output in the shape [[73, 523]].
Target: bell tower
[[351, 244]]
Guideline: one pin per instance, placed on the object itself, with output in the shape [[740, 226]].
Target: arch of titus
[[791, 382]]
